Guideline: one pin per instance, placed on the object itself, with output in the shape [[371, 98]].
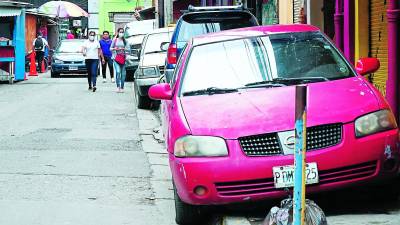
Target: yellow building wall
[[361, 48], [285, 11]]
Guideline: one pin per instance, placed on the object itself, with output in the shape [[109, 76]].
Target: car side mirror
[[160, 92], [367, 65], [51, 51], [164, 46]]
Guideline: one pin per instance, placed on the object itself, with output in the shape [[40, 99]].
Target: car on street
[[228, 118], [151, 65], [67, 58], [134, 34], [202, 20]]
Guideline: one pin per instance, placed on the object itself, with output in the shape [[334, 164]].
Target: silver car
[[151, 65], [134, 33]]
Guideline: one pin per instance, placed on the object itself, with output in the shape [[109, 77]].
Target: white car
[[151, 65]]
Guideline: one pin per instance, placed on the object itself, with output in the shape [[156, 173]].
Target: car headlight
[[149, 72], [58, 61], [375, 122], [196, 146]]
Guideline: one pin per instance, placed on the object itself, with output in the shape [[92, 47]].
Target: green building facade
[[107, 6]]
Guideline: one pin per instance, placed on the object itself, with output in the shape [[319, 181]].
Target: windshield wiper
[[210, 91], [300, 79], [282, 81], [152, 52], [265, 83]]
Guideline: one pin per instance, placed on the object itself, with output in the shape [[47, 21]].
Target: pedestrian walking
[[70, 35], [105, 44], [39, 46], [92, 52], [118, 47]]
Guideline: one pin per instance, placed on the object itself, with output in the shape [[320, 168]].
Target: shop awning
[[7, 11]]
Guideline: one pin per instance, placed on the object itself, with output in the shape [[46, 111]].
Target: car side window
[[176, 70]]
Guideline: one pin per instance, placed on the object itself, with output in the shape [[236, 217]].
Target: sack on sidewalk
[[284, 215]]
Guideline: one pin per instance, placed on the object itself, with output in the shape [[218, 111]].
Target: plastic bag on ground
[[284, 215]]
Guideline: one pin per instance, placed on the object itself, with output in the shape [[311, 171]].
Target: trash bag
[[284, 215]]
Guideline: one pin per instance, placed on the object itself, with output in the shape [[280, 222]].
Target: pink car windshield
[[233, 64]]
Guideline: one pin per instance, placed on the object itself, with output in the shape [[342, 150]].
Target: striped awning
[[8, 11]]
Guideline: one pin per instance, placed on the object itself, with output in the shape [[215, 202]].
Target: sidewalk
[[153, 145]]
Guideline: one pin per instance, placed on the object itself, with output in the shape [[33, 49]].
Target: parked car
[[201, 20], [134, 34], [228, 118], [151, 65], [68, 59]]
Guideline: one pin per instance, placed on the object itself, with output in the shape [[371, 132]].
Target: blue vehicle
[[68, 58], [201, 20]]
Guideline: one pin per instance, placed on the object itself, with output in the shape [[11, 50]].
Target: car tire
[[54, 74], [142, 102], [129, 75], [155, 105], [186, 214]]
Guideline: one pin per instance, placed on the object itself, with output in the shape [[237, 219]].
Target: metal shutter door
[[378, 45], [296, 11]]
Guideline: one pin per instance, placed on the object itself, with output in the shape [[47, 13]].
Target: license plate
[[73, 68], [284, 175]]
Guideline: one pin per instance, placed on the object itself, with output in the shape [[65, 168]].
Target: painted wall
[[270, 12], [107, 6], [30, 31], [315, 15], [361, 44], [286, 11]]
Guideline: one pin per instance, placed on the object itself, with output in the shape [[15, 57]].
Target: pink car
[[228, 118]]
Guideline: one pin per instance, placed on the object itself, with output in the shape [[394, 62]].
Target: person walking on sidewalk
[[118, 47], [39, 46], [92, 52], [105, 44]]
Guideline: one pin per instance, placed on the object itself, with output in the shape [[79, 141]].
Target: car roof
[[251, 32]]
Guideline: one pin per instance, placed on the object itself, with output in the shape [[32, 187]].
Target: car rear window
[[201, 23]]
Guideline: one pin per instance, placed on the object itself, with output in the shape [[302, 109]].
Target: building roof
[[35, 11], [14, 4], [251, 32]]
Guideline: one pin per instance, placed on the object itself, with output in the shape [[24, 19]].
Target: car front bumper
[[240, 178], [68, 68]]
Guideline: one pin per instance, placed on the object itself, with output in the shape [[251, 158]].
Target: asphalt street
[[70, 156]]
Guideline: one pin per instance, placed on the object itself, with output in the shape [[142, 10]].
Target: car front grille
[[318, 137], [263, 186], [73, 62], [259, 145]]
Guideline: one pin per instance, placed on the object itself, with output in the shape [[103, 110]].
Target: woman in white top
[[92, 52], [118, 46]]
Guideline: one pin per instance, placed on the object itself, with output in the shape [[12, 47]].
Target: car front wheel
[[54, 74], [186, 214], [142, 102]]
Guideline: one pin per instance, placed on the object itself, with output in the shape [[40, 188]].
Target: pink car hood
[[263, 110]]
